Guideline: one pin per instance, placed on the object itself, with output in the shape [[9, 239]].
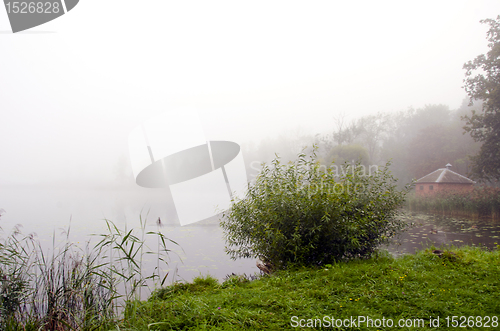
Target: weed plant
[[481, 202], [69, 288]]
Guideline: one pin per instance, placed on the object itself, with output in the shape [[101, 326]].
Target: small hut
[[443, 180]]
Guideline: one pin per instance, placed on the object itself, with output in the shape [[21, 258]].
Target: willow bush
[[302, 213]]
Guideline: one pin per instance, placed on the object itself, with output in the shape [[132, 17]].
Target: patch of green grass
[[460, 282]]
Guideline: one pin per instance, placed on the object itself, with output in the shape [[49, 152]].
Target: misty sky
[[72, 90]]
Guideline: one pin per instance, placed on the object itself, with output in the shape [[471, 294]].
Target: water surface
[[430, 229], [201, 245], [49, 212]]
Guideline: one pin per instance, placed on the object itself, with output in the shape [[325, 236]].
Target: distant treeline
[[418, 141]]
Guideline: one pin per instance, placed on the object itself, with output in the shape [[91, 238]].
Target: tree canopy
[[482, 82]]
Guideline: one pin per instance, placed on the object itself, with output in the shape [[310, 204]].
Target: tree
[[347, 153], [344, 132], [429, 151], [482, 82], [437, 145], [374, 129]]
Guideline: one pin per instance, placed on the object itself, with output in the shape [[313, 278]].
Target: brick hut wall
[[442, 187]]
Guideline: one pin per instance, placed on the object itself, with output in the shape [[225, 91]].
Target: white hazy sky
[[71, 90]]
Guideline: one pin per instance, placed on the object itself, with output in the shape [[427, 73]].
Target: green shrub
[[302, 213]]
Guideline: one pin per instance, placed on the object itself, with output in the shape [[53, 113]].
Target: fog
[[269, 75], [71, 90]]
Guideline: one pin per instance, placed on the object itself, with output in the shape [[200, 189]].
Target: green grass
[[462, 282]]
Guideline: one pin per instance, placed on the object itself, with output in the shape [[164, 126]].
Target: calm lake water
[[438, 230], [201, 245], [48, 212]]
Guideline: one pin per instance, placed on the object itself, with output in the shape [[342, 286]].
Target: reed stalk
[[68, 288], [482, 202]]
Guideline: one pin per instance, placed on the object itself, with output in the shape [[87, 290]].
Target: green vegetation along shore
[[412, 289], [481, 202]]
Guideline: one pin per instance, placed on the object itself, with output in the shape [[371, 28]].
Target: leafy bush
[[302, 213]]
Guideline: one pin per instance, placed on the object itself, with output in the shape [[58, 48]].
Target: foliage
[[54, 291], [347, 153], [482, 201], [374, 129], [482, 82], [417, 141], [460, 282], [411, 139], [69, 288], [13, 277], [198, 284], [123, 252], [437, 145], [427, 150], [344, 133], [306, 214]]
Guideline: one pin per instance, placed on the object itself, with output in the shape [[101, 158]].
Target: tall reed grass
[[74, 288], [481, 202]]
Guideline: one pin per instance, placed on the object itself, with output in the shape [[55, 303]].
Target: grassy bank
[[459, 282], [481, 202]]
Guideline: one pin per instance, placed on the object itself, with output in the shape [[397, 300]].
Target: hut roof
[[445, 175]]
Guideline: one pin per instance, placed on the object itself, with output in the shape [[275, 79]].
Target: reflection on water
[[438, 230]]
